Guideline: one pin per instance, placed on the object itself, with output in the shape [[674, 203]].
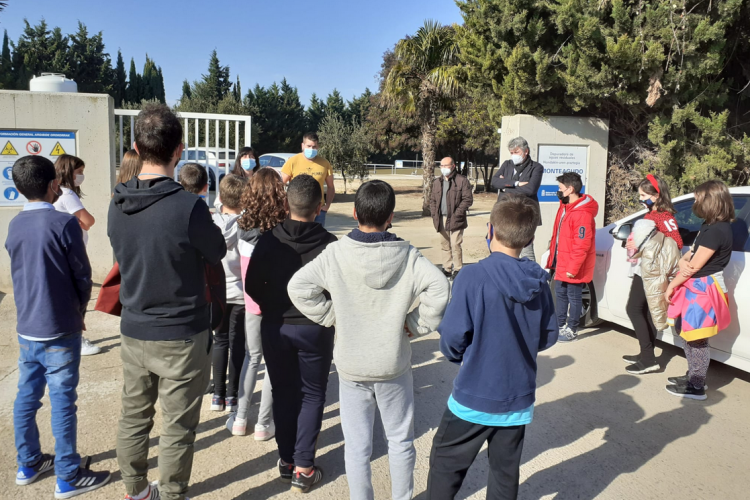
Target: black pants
[[229, 347], [456, 445], [298, 360], [640, 316]]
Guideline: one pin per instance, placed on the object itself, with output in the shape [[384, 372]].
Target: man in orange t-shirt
[[308, 162]]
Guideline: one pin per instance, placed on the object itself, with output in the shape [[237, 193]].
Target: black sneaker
[[687, 391], [302, 483], [683, 380], [286, 471], [447, 274], [631, 359], [641, 367]]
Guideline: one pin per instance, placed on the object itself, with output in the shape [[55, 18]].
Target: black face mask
[[564, 199]]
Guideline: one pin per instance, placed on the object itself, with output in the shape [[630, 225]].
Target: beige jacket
[[660, 259]]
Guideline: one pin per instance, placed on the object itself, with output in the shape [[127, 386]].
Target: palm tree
[[423, 81]]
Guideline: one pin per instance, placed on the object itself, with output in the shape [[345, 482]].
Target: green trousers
[[176, 372]]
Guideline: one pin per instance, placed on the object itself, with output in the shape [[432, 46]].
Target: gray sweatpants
[[395, 401], [249, 374]]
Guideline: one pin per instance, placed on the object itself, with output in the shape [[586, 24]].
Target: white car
[[274, 160], [217, 160], [606, 297]]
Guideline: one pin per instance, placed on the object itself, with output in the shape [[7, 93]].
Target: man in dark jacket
[[162, 237], [520, 176], [298, 351], [450, 200]]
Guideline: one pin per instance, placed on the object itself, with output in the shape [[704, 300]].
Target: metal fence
[[207, 138]]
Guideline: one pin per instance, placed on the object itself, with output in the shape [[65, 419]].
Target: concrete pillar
[[91, 117]]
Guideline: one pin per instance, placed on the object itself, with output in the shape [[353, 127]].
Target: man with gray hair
[[520, 176]]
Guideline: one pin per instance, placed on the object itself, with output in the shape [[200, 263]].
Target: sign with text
[[557, 160], [18, 143]]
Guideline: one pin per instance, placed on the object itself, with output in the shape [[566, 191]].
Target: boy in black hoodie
[[501, 315], [162, 237], [298, 351]]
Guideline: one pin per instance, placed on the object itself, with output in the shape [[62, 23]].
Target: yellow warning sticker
[[57, 150], [9, 149]]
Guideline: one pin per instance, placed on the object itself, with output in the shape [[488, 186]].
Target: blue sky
[[316, 44]]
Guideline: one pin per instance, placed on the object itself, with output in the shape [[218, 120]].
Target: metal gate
[[200, 130]]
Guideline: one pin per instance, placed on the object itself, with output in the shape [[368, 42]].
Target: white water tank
[[52, 82]]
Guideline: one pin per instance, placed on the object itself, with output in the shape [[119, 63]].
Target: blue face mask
[[648, 202], [311, 153], [247, 163]]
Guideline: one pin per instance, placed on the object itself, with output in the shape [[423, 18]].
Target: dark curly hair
[[262, 201]]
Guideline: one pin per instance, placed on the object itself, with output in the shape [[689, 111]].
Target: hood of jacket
[[520, 279], [642, 231], [137, 195], [584, 203], [229, 229], [301, 236], [375, 263]]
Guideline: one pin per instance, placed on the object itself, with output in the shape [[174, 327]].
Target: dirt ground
[[597, 432]]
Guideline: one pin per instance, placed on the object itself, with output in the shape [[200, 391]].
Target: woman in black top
[[709, 255]]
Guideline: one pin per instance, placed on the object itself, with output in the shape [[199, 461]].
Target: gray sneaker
[[567, 335]]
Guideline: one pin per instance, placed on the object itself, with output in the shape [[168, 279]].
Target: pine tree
[[315, 113], [119, 86], [237, 90], [335, 104], [161, 93], [90, 66], [187, 93], [6, 68], [215, 85], [358, 107], [133, 91]]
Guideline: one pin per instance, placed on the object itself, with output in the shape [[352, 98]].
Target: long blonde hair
[[130, 166]]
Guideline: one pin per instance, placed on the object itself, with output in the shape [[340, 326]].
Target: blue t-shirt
[[507, 419]]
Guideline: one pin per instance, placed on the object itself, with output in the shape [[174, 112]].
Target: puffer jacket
[[458, 200], [660, 258], [573, 244]]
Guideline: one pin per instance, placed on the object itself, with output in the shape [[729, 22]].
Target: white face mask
[[517, 159], [445, 171], [79, 179]]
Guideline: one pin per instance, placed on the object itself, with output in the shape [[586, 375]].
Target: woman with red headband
[[653, 265]]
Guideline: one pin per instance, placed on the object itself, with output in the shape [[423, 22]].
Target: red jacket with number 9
[[573, 246]]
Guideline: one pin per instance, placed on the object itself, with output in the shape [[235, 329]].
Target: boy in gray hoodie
[[373, 278]]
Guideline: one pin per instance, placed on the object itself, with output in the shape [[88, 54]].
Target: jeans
[[175, 372], [298, 359], [456, 445], [568, 294], [51, 363], [253, 358], [321, 218], [640, 316], [395, 400], [229, 348]]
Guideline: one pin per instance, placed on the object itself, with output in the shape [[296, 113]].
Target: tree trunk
[[429, 131]]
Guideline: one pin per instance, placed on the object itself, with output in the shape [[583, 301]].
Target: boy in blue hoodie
[[501, 315], [52, 287]]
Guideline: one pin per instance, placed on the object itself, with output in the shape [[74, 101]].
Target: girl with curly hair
[[263, 207]]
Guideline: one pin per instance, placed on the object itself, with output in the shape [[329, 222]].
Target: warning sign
[[34, 148], [48, 143], [57, 150], [9, 150]]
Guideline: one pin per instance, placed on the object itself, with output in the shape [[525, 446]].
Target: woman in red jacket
[[653, 193], [572, 252]]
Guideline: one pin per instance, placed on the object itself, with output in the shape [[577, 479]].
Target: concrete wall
[[91, 117], [565, 131]]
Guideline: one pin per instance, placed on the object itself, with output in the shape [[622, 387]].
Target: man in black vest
[[520, 176]]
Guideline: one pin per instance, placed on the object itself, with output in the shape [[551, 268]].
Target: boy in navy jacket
[[52, 286], [501, 315]]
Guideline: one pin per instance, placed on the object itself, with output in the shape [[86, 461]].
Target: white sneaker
[[264, 432], [237, 426], [89, 349]]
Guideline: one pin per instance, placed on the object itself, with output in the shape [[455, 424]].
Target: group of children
[[289, 283]]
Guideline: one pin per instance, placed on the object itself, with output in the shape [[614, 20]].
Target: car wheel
[[588, 298]]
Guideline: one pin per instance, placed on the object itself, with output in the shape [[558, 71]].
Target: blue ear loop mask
[[247, 163], [310, 153], [648, 202]]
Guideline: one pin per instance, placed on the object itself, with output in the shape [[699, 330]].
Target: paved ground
[[597, 433]]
